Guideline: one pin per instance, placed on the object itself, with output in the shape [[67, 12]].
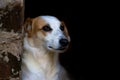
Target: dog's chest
[[43, 76], [40, 73], [39, 69]]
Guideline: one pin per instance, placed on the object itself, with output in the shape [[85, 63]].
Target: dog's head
[[48, 32]]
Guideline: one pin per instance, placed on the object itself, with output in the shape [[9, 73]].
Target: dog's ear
[[63, 24], [28, 26], [65, 29]]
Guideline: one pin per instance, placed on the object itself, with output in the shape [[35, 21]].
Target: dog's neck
[[45, 59]]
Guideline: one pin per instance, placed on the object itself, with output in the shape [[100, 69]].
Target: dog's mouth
[[60, 48]]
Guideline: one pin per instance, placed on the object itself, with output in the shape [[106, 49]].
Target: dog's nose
[[63, 42]]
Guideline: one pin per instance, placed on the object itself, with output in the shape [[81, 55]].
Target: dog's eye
[[62, 27], [46, 28]]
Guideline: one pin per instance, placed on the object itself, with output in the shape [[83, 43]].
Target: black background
[[82, 59]]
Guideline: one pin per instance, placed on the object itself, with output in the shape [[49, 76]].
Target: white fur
[[54, 37], [36, 71]]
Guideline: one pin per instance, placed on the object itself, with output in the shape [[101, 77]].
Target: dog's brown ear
[[63, 24], [65, 28], [28, 26]]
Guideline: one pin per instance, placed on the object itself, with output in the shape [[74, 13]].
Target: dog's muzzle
[[63, 44]]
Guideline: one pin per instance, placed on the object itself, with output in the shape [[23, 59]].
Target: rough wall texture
[[11, 14], [11, 21]]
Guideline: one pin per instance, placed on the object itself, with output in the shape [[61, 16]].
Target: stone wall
[[11, 21]]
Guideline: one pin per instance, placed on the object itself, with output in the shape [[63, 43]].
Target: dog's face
[[49, 32]]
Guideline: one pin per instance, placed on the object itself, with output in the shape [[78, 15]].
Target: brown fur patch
[[32, 26], [65, 30], [38, 24]]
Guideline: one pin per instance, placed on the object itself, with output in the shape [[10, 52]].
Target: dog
[[45, 38]]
